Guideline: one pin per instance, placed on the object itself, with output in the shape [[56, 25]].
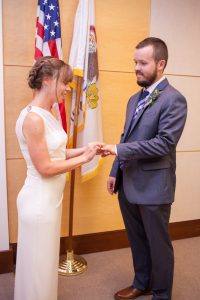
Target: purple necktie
[[141, 103]]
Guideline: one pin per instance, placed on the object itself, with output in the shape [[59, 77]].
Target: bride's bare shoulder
[[33, 124]]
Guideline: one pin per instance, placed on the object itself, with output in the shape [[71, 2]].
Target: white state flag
[[84, 62]]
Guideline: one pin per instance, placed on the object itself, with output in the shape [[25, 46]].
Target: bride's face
[[56, 89], [61, 90]]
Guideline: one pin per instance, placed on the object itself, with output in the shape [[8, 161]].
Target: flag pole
[[72, 175], [73, 264]]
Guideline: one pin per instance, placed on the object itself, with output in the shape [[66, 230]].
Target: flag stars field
[[51, 7], [52, 33], [48, 17]]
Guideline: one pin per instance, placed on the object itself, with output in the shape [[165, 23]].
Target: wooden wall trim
[[104, 241], [96, 242], [6, 261], [184, 229], [111, 240]]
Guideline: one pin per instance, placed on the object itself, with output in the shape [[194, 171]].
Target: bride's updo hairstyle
[[48, 67]]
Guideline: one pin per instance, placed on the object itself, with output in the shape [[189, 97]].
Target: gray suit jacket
[[148, 149]]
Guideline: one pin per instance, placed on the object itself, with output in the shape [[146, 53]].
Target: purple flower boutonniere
[[153, 97]]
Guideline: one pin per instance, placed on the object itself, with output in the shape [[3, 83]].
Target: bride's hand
[[89, 153], [97, 146]]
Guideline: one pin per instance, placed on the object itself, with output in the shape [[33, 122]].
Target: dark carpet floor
[[111, 271]]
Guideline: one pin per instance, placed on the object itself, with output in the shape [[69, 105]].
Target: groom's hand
[[108, 150], [111, 185]]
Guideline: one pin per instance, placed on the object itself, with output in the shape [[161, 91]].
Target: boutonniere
[[153, 97]]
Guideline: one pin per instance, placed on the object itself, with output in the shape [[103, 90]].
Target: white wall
[[177, 22], [4, 238]]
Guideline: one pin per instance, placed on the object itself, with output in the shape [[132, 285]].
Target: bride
[[43, 145]]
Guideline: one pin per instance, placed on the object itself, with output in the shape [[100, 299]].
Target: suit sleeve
[[171, 123], [115, 165]]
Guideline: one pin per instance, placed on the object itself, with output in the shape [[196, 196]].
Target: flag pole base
[[72, 265]]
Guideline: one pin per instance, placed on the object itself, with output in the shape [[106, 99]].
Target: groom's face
[[145, 66]]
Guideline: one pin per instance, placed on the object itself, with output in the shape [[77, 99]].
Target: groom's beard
[[147, 81]]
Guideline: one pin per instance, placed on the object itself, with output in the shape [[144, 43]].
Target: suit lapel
[[161, 86]]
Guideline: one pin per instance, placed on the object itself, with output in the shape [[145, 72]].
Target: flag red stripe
[[63, 115], [53, 48], [38, 53], [40, 30], [37, 20]]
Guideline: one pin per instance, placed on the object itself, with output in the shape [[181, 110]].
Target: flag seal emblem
[[92, 96]]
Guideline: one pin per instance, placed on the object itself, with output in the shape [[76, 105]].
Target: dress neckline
[[43, 109]]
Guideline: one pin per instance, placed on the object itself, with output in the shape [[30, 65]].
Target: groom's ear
[[161, 65]]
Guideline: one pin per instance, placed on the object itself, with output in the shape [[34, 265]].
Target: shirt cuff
[[116, 149]]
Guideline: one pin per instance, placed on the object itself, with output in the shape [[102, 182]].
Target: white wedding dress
[[39, 206]]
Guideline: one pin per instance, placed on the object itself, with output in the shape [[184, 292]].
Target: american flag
[[48, 37]]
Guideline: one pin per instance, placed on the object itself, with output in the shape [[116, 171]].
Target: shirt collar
[[152, 87]]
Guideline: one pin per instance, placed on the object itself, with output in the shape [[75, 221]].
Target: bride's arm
[[78, 151], [34, 132], [75, 152]]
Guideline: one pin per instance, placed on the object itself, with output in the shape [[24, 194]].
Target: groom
[[143, 172]]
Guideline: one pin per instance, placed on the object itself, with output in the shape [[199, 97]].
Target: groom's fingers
[[105, 153], [110, 185]]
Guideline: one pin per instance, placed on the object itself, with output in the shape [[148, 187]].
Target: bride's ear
[[46, 82]]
